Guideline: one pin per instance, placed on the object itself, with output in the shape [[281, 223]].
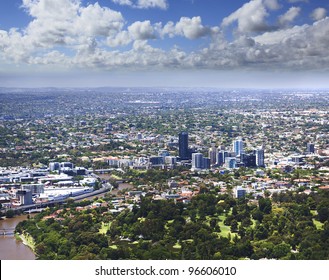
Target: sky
[[187, 43]]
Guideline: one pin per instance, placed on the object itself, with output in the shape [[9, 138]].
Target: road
[[105, 188]]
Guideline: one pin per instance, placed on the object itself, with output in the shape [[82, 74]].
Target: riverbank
[[27, 240], [13, 246]]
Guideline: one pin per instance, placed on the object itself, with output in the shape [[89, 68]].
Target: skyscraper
[[197, 161], [183, 146], [200, 162], [249, 160], [260, 157], [212, 154], [310, 148], [238, 146]]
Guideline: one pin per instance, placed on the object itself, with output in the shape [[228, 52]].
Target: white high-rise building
[[197, 161], [260, 157], [238, 146]]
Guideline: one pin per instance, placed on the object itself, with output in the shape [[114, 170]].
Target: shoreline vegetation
[[27, 240], [212, 226]]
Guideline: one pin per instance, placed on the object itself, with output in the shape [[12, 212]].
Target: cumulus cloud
[[65, 22], [143, 4], [295, 1], [319, 13], [289, 16], [123, 2], [272, 4], [251, 17], [137, 31], [88, 37], [141, 30], [299, 47], [191, 28]]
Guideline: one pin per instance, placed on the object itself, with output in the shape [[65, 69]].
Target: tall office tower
[[310, 148], [249, 160], [220, 158], [212, 154], [183, 146], [197, 161], [260, 157], [238, 146], [221, 155], [230, 162], [206, 163]]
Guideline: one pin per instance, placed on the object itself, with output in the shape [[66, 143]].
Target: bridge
[[7, 231]]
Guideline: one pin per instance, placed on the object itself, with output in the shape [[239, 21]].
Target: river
[[10, 248]]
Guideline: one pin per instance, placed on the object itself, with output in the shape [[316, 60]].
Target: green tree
[[281, 250], [10, 213], [265, 205]]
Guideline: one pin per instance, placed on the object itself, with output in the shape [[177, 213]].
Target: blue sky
[[215, 43]]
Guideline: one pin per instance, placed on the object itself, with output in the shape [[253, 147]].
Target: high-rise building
[[200, 162], [184, 153], [212, 154], [310, 148], [238, 146], [230, 162], [221, 155], [25, 197], [260, 157], [249, 160], [220, 158], [206, 163], [197, 161]]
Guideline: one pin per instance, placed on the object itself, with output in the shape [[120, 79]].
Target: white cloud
[[295, 1], [289, 16], [190, 28], [272, 4], [136, 31], [297, 48], [277, 37], [85, 36], [123, 2], [141, 30], [319, 13], [162, 4], [251, 17], [143, 4]]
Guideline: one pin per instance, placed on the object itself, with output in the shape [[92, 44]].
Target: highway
[[40, 206]]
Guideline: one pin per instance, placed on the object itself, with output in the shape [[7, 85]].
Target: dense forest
[[287, 226]]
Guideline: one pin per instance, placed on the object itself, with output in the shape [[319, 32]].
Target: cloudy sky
[[215, 43]]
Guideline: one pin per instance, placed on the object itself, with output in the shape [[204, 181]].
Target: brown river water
[[10, 248]]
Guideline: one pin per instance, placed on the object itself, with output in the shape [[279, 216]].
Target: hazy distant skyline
[[249, 44]]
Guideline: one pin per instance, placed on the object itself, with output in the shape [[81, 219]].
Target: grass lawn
[[225, 230], [177, 246], [27, 240], [104, 228], [318, 224], [314, 212]]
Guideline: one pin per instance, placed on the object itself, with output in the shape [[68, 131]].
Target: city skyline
[[247, 44]]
